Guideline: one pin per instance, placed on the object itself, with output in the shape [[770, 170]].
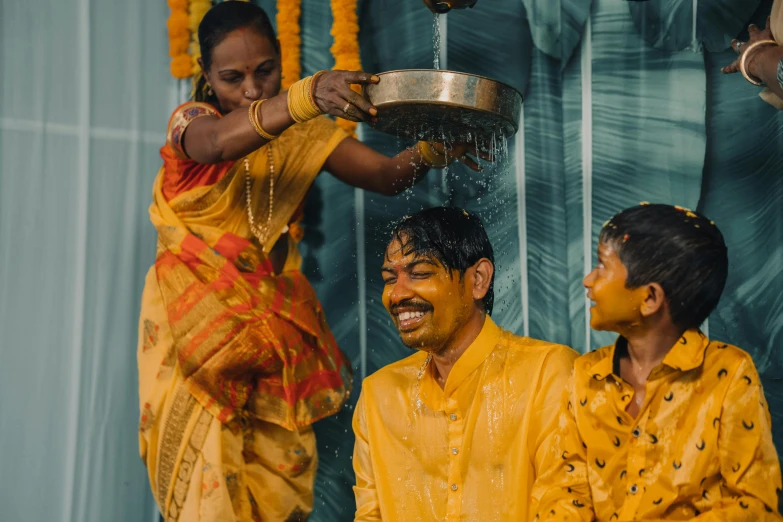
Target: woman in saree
[[236, 360]]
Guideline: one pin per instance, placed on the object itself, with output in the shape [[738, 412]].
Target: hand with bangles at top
[[760, 59]]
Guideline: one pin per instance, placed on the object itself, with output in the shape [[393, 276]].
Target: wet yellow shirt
[[701, 444], [470, 451]]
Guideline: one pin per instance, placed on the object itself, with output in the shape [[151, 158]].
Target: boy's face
[[615, 307]]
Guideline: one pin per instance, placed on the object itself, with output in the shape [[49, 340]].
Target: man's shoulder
[[397, 374], [525, 351]]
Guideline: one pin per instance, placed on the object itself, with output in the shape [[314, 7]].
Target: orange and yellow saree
[[235, 362]]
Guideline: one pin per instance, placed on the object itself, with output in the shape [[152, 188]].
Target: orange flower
[[181, 66], [178, 5], [289, 34], [345, 31], [177, 24], [178, 45], [179, 38]]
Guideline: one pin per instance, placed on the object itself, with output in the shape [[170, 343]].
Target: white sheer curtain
[[84, 97]]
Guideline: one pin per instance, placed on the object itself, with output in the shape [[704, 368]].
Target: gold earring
[[209, 90]]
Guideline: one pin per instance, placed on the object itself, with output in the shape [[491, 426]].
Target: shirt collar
[[686, 354], [474, 356]]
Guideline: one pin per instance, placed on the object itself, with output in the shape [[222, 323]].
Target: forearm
[[400, 172], [233, 136], [763, 65]]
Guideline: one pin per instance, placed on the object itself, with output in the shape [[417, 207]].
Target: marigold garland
[[289, 35], [179, 36], [345, 31]]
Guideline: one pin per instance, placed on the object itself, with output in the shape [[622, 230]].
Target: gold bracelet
[[252, 114], [301, 106], [313, 86], [744, 61], [430, 157]]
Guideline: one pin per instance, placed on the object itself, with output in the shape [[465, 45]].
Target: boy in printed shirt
[[665, 424]]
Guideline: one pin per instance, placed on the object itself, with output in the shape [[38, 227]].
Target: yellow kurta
[[470, 451], [700, 445]]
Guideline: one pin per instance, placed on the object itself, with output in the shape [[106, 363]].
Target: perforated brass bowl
[[433, 105]]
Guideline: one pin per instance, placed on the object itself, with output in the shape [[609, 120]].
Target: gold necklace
[[261, 235]]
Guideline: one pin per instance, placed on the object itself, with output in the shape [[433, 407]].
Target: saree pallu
[[236, 362]]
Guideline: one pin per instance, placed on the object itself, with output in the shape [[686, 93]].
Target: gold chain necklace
[[261, 235]]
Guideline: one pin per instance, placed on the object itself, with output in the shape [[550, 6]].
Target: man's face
[[615, 307], [427, 302]]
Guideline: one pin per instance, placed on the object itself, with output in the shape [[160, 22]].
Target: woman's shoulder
[[193, 109], [181, 118]]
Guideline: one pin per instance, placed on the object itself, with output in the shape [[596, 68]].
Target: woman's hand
[[756, 35], [462, 152], [333, 94]]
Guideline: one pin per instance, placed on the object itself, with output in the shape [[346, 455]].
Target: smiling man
[[458, 430]]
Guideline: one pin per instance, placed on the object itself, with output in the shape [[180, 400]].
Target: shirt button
[[634, 489], [636, 432], [453, 416], [454, 451], [454, 487]]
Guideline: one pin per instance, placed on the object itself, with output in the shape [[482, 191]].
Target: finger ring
[[347, 106], [739, 44]]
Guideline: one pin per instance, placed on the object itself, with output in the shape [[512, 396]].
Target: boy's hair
[[453, 236], [677, 248]]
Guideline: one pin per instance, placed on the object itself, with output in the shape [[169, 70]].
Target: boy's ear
[[653, 299]]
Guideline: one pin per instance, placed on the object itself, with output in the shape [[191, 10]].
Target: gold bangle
[[430, 157], [744, 61], [252, 114], [301, 106], [313, 85]]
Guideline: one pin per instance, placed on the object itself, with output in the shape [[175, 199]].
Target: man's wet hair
[[452, 236]]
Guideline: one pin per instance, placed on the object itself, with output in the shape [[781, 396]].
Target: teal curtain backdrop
[[624, 102]]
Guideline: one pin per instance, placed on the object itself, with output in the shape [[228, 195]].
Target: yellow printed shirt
[[700, 448], [470, 451]]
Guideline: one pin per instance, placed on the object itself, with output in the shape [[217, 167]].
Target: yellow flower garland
[[197, 10], [345, 31], [179, 35]]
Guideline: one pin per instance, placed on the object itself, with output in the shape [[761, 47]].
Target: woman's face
[[245, 67]]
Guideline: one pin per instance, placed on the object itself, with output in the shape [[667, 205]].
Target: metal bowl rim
[[450, 72]]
